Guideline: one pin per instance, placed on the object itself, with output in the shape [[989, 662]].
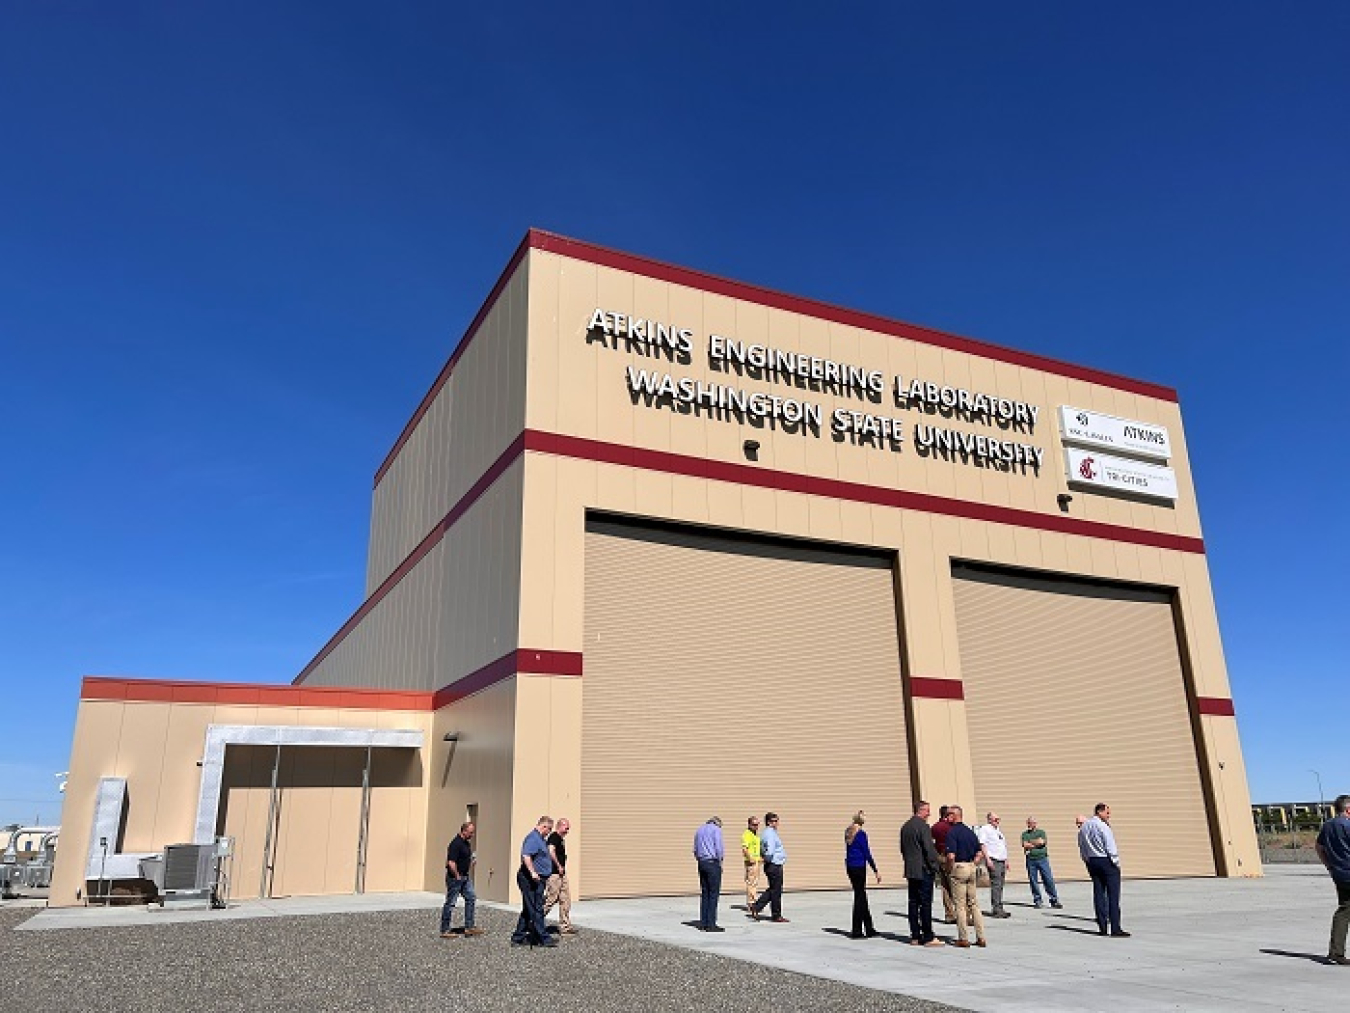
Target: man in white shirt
[[996, 850]]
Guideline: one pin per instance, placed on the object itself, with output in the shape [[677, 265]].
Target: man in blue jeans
[[532, 876], [459, 859], [1097, 845], [709, 852], [1038, 863]]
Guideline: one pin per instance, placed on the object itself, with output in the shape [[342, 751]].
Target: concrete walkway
[[282, 907], [1198, 944]]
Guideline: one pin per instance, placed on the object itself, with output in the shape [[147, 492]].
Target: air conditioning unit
[[189, 872]]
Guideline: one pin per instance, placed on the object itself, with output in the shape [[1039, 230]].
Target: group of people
[[761, 850], [947, 853], [542, 879]]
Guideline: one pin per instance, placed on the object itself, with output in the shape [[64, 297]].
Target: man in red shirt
[[940, 829]]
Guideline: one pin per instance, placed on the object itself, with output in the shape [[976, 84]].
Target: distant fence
[[1288, 846]]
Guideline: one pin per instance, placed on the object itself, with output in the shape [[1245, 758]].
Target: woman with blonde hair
[[857, 857]]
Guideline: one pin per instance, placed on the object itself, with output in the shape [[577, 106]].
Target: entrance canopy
[[220, 736]]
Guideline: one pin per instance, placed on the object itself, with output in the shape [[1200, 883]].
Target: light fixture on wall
[[451, 737], [752, 449], [1064, 500]]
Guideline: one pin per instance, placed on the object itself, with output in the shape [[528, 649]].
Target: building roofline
[[603, 256]]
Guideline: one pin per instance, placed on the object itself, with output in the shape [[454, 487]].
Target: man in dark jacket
[[1333, 848], [921, 865]]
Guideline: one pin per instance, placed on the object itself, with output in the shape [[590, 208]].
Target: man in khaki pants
[[964, 856], [558, 891], [753, 861]]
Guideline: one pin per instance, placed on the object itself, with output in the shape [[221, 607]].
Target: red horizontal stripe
[[251, 694], [519, 662], [937, 689], [1218, 706], [548, 662], [455, 356], [522, 661], [432, 539], [604, 257], [766, 478]]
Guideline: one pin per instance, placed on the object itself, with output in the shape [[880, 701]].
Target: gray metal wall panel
[[474, 417], [453, 613]]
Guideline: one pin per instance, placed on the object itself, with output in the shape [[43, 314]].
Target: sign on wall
[[778, 388], [1092, 469], [1082, 426]]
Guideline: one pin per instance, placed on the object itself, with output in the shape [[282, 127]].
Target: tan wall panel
[[942, 749], [476, 415], [243, 813], [478, 771], [93, 754], [693, 654], [140, 759], [548, 765], [1232, 797], [1095, 686], [306, 830], [180, 778], [395, 853]]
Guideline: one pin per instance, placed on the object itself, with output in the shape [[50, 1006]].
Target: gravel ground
[[392, 961]]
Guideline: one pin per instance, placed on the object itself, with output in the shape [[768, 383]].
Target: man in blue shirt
[[532, 877], [1333, 848], [709, 852], [964, 853], [1097, 846], [773, 853]]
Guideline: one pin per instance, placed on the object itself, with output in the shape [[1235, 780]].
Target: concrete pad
[[280, 907], [1198, 944]]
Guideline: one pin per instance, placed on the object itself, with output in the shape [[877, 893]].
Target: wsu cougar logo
[[1087, 469]]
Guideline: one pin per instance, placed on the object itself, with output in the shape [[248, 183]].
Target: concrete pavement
[[1198, 944]]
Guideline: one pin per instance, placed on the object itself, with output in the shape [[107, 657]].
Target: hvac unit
[[189, 873]]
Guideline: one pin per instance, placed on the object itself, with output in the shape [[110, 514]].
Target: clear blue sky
[[237, 242]]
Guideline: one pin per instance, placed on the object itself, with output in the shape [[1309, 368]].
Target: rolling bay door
[[729, 677], [1075, 695]]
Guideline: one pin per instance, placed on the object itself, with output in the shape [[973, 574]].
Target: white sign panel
[[1082, 426], [1094, 470]]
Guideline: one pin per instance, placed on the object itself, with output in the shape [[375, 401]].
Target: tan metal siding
[[1075, 695], [318, 820], [730, 681]]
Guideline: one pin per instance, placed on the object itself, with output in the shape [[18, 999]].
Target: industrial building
[[657, 545]]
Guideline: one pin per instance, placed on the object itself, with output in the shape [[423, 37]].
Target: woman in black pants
[[857, 857]]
